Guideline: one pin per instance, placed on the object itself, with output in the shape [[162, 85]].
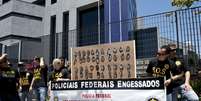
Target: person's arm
[[173, 78], [187, 80], [199, 73], [17, 75], [176, 77], [3, 56], [31, 86], [149, 70], [42, 63], [49, 89], [20, 85]]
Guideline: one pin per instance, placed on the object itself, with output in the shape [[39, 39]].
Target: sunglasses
[[173, 49], [161, 54]]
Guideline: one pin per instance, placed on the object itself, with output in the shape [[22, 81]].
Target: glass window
[[5, 1], [53, 1], [88, 26], [65, 35]]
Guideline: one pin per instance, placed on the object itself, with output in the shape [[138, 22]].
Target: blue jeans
[[40, 93], [189, 95], [24, 95], [169, 97]]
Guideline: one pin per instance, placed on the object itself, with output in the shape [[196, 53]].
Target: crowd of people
[[24, 84]]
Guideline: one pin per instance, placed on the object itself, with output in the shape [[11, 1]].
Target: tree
[[183, 3]]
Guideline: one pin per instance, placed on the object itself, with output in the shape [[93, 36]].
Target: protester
[[9, 81], [39, 82], [25, 81], [59, 72], [182, 85], [66, 64], [161, 66]]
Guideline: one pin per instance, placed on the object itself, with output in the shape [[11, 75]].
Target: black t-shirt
[[9, 79], [62, 73], [40, 75], [180, 67], [25, 80], [161, 69]]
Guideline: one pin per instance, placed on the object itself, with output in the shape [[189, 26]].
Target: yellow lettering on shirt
[[8, 74], [58, 75], [24, 81], [160, 72], [37, 74]]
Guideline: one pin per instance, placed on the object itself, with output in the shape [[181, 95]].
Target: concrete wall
[[5, 26], [22, 18], [26, 27], [21, 25], [6, 8], [21, 7]]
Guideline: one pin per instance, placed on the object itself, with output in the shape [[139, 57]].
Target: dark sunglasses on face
[[173, 49], [161, 54]]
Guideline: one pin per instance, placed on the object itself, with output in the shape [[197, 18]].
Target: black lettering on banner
[[148, 83]]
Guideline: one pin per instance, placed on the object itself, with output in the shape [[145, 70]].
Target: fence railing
[[181, 27]]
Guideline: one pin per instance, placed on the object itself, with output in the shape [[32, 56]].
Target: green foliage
[[183, 3], [196, 85]]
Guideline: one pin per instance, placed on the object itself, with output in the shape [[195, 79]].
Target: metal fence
[[181, 27]]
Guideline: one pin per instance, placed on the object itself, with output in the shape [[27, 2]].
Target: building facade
[[21, 26], [72, 23]]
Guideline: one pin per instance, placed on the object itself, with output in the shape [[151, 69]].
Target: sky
[[29, 0], [149, 7]]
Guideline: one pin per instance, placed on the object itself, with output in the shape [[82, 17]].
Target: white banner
[[109, 90]]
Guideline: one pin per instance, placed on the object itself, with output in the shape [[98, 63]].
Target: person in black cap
[[9, 81], [181, 85]]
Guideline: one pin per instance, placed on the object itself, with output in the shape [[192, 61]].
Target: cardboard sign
[[107, 61]]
